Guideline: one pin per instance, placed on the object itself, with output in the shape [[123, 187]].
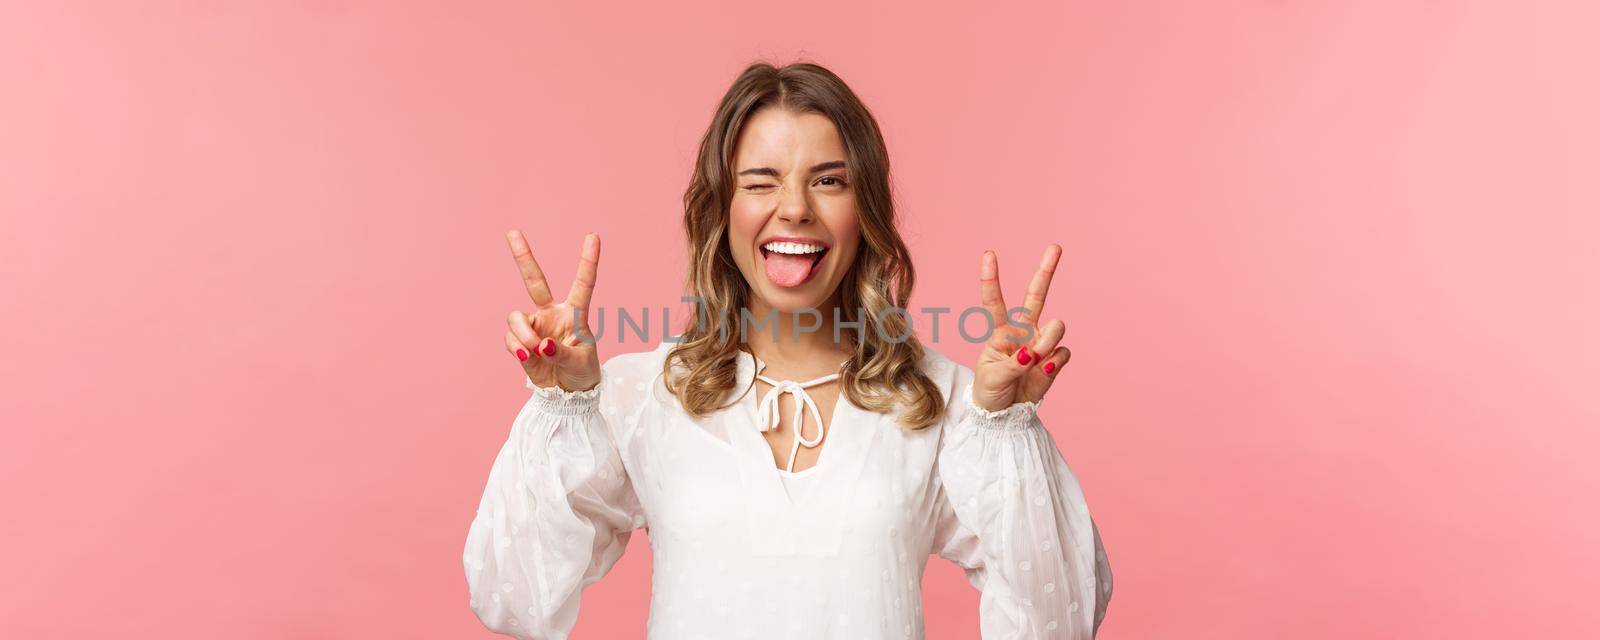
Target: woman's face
[[793, 229]]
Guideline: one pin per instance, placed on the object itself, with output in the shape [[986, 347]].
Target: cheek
[[745, 219], [843, 225]]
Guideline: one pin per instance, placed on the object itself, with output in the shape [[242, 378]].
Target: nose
[[795, 207]]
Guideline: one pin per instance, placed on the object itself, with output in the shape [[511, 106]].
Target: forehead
[[773, 136]]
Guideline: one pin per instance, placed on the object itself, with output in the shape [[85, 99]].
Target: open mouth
[[792, 262]]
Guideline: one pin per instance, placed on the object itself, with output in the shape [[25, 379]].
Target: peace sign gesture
[[1009, 369], [546, 340]]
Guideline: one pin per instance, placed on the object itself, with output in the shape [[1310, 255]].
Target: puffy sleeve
[[556, 513], [1012, 514]]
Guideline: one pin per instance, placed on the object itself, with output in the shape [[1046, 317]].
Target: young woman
[[793, 478]]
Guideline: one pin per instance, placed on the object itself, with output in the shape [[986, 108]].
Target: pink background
[[1330, 280]]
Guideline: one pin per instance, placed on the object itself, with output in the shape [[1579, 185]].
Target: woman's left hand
[[1014, 368]]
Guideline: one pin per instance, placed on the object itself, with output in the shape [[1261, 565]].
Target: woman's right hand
[[547, 339]]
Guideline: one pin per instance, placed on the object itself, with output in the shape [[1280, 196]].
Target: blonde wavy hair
[[880, 373]]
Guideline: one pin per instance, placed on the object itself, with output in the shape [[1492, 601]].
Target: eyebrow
[[769, 171]]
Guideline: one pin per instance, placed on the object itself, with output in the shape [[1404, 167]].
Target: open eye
[[830, 181]]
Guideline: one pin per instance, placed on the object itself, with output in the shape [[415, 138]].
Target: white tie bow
[[768, 416]]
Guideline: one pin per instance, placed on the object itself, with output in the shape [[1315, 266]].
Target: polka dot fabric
[[744, 550]]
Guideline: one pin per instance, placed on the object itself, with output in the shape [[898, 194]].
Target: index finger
[[989, 288], [588, 269], [532, 276], [1039, 287]]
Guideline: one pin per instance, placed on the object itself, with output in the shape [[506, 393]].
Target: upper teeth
[[793, 248]]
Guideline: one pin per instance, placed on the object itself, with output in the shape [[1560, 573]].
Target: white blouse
[[744, 549]]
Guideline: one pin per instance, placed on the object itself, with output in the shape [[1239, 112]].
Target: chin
[[791, 300]]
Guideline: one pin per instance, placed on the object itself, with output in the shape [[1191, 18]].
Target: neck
[[787, 344]]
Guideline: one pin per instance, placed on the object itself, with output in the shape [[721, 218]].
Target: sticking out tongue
[[788, 271]]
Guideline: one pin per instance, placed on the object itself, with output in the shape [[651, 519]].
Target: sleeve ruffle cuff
[[1019, 415], [558, 401]]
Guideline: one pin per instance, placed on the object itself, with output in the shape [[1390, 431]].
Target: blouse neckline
[[749, 367], [768, 416]]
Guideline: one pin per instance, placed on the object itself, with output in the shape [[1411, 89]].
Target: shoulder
[[627, 378], [637, 364]]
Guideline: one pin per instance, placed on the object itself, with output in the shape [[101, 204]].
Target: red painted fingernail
[[1022, 356], [550, 347], [522, 355], [1049, 367]]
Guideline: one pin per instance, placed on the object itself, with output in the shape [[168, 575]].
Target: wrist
[[577, 385], [989, 401]]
